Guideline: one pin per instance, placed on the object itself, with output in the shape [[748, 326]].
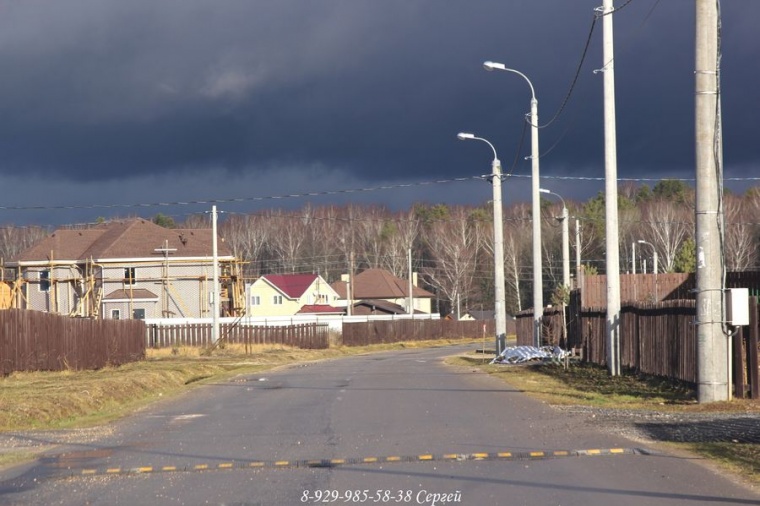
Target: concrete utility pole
[[410, 308], [633, 258], [564, 217], [216, 305], [577, 253], [610, 194], [712, 344], [500, 304]]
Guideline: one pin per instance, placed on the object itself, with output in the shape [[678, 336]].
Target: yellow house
[[286, 294]]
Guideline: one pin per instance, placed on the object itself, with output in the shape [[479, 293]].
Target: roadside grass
[[588, 385], [75, 399]]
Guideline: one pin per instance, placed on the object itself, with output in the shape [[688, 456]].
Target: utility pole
[[633, 257], [712, 344], [578, 253], [610, 194], [410, 310], [216, 296]]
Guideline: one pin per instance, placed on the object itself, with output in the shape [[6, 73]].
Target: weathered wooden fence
[[658, 287], [658, 339], [379, 332], [37, 341], [307, 336]]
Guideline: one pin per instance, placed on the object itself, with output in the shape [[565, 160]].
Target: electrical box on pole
[[737, 307]]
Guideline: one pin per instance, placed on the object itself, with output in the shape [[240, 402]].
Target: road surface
[[395, 427]]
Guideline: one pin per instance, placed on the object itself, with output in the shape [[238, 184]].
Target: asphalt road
[[389, 428]]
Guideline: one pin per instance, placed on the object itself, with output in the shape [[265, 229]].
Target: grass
[[588, 385], [74, 399]]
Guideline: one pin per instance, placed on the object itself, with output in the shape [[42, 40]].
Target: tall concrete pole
[[411, 283], [538, 284], [633, 258], [500, 303], [565, 247], [216, 296], [577, 253], [610, 195], [712, 344], [498, 256]]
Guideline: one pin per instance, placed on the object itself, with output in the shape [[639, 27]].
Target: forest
[[451, 247]]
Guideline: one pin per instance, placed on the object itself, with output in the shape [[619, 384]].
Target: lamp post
[[641, 241], [538, 296], [498, 245], [565, 239]]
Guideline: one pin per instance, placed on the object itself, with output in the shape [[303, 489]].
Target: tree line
[[451, 247]]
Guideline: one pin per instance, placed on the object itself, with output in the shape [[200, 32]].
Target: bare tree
[[740, 241], [370, 235], [289, 238], [400, 234], [453, 249], [14, 240], [668, 225], [246, 236]]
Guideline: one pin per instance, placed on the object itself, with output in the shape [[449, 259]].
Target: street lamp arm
[[544, 190], [490, 65], [463, 136]]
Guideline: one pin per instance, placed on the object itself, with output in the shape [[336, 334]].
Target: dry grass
[[67, 399]]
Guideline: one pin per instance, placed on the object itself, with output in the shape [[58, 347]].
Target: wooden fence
[[379, 332], [37, 341], [658, 339], [310, 336], [658, 287]]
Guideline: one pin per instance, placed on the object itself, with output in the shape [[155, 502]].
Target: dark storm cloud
[[103, 90]]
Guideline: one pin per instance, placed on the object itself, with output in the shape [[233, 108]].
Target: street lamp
[[565, 239], [641, 241], [498, 245], [538, 296]]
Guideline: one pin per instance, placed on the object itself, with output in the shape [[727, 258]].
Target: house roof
[[379, 284], [135, 238], [321, 309], [375, 306], [292, 285], [489, 314], [134, 294]]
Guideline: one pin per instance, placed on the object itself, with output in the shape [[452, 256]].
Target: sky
[[113, 108]]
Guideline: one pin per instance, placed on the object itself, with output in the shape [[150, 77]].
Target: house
[[381, 285], [124, 269], [510, 322], [287, 294]]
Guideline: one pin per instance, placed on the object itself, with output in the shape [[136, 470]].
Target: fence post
[[752, 360]]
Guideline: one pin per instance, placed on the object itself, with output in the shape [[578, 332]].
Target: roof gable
[[292, 285]]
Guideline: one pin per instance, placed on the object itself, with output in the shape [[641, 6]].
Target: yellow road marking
[[294, 464]]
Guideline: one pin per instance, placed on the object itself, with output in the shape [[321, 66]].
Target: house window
[[44, 281], [129, 275], [138, 314], [116, 314], [277, 300], [255, 300]]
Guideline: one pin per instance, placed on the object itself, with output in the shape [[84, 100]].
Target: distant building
[[122, 269], [287, 294], [381, 285]]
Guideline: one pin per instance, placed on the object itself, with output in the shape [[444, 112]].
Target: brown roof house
[[123, 269], [377, 291]]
